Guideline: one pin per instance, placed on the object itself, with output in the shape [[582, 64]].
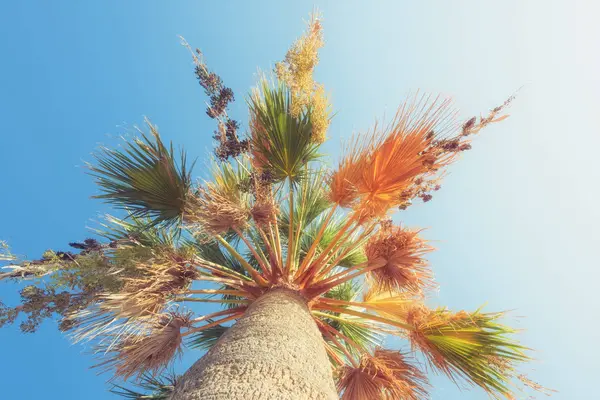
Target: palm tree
[[309, 269]]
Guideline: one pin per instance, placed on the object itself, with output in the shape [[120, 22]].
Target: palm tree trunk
[[275, 351]]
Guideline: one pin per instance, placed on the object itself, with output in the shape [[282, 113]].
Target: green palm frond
[[356, 329], [210, 250], [312, 201], [355, 256], [144, 178], [229, 180], [140, 230], [149, 387], [468, 345], [282, 143], [207, 338]]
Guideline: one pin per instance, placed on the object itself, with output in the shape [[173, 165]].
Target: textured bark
[[275, 351]]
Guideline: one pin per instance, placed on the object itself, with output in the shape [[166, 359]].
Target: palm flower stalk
[[309, 268]]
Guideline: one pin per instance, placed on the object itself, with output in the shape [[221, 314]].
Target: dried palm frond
[[264, 212], [144, 178], [404, 269], [462, 344], [385, 375], [148, 352], [215, 213], [141, 297], [5, 254]]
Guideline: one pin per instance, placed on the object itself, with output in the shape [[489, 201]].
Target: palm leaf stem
[[343, 254], [355, 313], [214, 323], [221, 301], [229, 282], [332, 353], [345, 338], [340, 346], [318, 263], [253, 273], [223, 270], [309, 254], [263, 266], [221, 292], [277, 249], [272, 254], [219, 314], [290, 255], [342, 277]]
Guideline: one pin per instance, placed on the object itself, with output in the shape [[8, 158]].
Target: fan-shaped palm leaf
[[144, 178], [281, 143]]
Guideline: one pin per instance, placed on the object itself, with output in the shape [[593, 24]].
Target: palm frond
[[360, 336], [472, 346], [281, 143], [207, 338], [401, 252], [384, 375], [352, 249], [144, 178], [383, 165], [150, 387], [5, 254], [138, 230], [150, 351], [312, 201]]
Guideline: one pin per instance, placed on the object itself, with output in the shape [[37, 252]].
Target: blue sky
[[514, 223]]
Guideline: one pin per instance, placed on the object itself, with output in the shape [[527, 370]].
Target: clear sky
[[515, 221]]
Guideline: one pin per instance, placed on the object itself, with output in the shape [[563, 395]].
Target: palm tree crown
[[273, 216]]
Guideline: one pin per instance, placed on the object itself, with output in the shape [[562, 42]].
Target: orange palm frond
[[389, 161], [345, 180], [401, 250], [402, 155], [385, 375]]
